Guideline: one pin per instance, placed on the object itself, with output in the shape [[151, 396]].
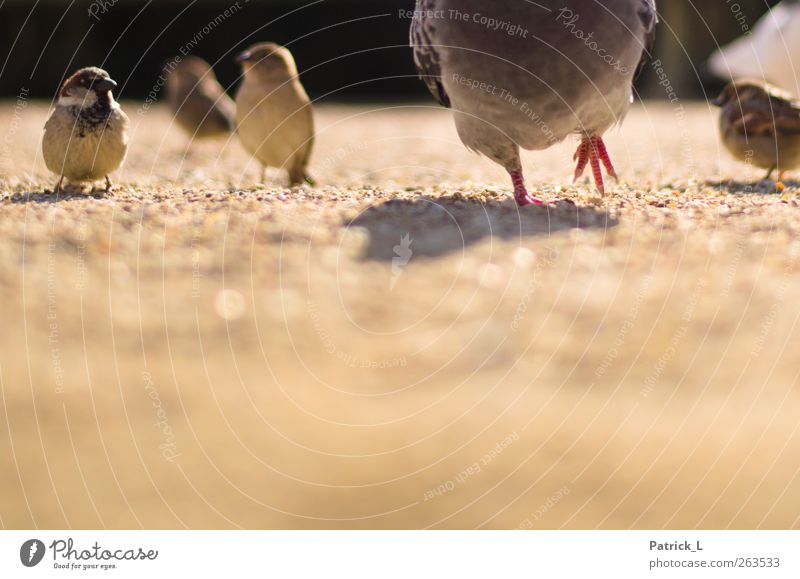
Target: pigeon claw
[[582, 157], [520, 193], [605, 158], [523, 200], [592, 151]]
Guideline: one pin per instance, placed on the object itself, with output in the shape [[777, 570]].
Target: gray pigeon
[[525, 73]]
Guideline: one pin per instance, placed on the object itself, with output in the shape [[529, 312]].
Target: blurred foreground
[[400, 347]]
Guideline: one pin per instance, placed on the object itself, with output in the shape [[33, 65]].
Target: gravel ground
[[399, 346]]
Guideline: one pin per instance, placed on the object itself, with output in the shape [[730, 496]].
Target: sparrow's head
[[87, 87], [267, 60], [186, 74], [89, 79], [191, 67], [740, 91]]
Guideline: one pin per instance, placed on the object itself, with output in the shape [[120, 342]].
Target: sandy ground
[[400, 346]]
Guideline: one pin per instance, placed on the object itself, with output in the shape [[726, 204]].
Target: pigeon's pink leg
[[520, 193], [582, 157], [597, 172], [602, 152], [592, 151]]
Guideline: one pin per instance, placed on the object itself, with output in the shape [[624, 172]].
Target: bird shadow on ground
[[761, 187], [434, 226], [48, 197]]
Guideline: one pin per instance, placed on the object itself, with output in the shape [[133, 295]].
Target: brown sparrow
[[86, 136], [273, 112], [199, 102], [760, 124]]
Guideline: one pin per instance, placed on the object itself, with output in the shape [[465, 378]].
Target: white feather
[[78, 97], [771, 53]]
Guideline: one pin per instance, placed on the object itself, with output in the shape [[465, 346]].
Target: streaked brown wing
[[769, 115]]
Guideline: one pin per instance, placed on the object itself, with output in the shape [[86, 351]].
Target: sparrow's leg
[[109, 185], [769, 173], [592, 151], [520, 193], [58, 185], [299, 175]]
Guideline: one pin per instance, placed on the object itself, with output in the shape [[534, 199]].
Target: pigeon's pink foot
[[520, 193], [592, 151]]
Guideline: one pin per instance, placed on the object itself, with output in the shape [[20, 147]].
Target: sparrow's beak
[[105, 84], [244, 56], [717, 102]]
